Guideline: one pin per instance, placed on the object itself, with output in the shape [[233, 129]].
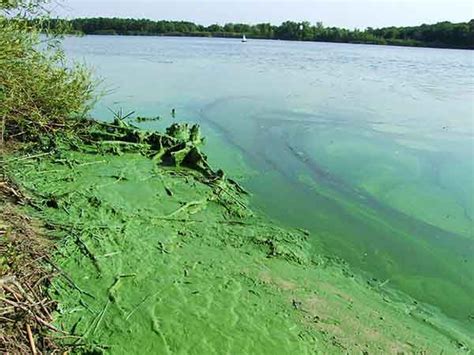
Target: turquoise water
[[369, 148]]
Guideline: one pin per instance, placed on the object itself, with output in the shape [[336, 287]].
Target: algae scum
[[369, 148], [160, 254]]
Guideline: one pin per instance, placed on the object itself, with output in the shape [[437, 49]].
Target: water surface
[[370, 148]]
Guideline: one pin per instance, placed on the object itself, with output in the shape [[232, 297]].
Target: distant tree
[[442, 34], [215, 28]]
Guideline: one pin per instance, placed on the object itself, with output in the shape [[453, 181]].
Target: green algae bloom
[[165, 256]]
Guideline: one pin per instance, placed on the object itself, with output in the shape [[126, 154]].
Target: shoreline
[[204, 35]]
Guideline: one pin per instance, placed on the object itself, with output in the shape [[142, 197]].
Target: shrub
[[40, 91]]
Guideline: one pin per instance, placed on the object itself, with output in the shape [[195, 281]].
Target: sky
[[340, 13]]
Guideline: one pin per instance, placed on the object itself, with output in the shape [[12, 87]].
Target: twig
[[16, 295], [42, 279], [3, 131], [236, 200], [69, 279], [88, 253], [40, 303], [30, 338], [6, 319], [23, 292], [384, 283], [6, 310], [91, 163], [186, 206], [140, 304], [47, 325], [184, 220], [30, 157], [101, 316], [38, 319], [14, 304], [109, 254]]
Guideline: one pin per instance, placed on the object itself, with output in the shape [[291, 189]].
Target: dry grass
[[25, 309]]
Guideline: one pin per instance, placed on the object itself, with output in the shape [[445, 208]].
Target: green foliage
[[39, 90], [443, 34]]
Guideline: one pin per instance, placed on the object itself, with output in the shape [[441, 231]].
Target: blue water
[[370, 148]]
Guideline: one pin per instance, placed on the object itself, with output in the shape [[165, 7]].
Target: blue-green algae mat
[[368, 148], [154, 260]]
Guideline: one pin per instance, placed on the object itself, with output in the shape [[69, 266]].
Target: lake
[[369, 148]]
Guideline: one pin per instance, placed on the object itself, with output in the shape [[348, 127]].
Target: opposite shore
[[440, 35]]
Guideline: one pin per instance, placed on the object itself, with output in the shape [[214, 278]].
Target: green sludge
[[166, 259]]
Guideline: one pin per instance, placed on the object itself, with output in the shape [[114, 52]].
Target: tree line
[[442, 34]]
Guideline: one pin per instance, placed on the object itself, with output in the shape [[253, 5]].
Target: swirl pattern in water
[[370, 148]]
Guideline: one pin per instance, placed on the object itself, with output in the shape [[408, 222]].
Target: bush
[[40, 91]]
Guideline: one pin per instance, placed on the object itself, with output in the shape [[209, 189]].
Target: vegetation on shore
[[443, 34], [39, 90], [40, 95]]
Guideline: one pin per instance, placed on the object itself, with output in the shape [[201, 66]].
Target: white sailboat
[[244, 39]]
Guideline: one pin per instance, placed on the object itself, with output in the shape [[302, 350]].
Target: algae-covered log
[[178, 147]]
